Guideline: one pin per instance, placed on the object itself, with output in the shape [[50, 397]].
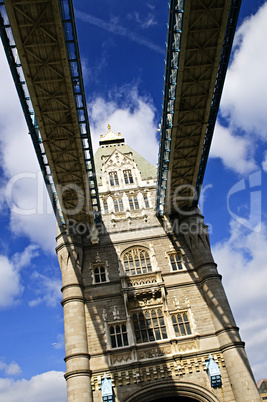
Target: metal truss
[[224, 60], [26, 104], [200, 38], [46, 38], [80, 100], [169, 94]]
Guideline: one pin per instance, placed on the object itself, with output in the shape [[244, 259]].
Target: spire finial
[[109, 137]]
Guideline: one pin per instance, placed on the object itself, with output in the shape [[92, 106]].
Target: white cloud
[[10, 369], [23, 259], [242, 261], [144, 21], [47, 289], [235, 151], [113, 27], [38, 228], [10, 284], [244, 98], [22, 188], [245, 93], [135, 121], [46, 387]]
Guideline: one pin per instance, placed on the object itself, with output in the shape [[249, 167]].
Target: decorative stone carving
[[176, 303], [187, 302], [142, 281], [121, 358], [105, 316], [117, 159], [145, 217], [144, 297], [154, 352], [188, 346], [179, 367], [116, 313], [97, 258], [153, 258], [94, 235]]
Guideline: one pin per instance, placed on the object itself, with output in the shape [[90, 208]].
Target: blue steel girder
[[45, 36], [200, 36], [21, 86]]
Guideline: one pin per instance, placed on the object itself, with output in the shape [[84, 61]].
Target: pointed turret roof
[[110, 137], [112, 141]]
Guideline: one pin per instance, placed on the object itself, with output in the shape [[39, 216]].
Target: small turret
[[110, 138]]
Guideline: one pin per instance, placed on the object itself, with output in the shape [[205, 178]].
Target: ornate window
[[133, 202], [118, 205], [146, 201], [113, 179], [100, 274], [149, 326], [181, 324], [136, 261], [105, 205], [176, 262], [128, 178], [118, 335]]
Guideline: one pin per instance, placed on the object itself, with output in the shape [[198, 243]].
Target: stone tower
[[146, 317]]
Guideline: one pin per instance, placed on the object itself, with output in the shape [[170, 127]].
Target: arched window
[[113, 179], [146, 201], [133, 202], [128, 177], [136, 261], [176, 262], [105, 205], [181, 324], [100, 274], [118, 205]]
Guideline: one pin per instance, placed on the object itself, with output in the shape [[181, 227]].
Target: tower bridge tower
[[146, 317], [145, 314]]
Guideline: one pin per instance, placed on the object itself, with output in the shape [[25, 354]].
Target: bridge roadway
[[200, 38], [45, 37], [199, 42]]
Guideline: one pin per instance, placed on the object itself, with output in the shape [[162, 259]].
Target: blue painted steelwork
[[71, 39], [224, 60], [170, 80], [80, 101], [171, 72], [22, 90]]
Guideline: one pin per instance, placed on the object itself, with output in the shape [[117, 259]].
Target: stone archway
[[179, 391], [175, 399]]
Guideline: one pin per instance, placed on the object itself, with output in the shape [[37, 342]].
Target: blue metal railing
[[170, 80], [171, 72], [22, 90], [71, 39]]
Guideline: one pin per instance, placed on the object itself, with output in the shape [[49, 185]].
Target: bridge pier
[[78, 374], [191, 225]]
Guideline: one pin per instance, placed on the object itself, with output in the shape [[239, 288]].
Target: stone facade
[[143, 303]]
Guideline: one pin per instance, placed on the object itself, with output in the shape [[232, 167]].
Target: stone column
[[191, 225], [78, 374]]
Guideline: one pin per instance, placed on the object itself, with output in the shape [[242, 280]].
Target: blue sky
[[122, 46]]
